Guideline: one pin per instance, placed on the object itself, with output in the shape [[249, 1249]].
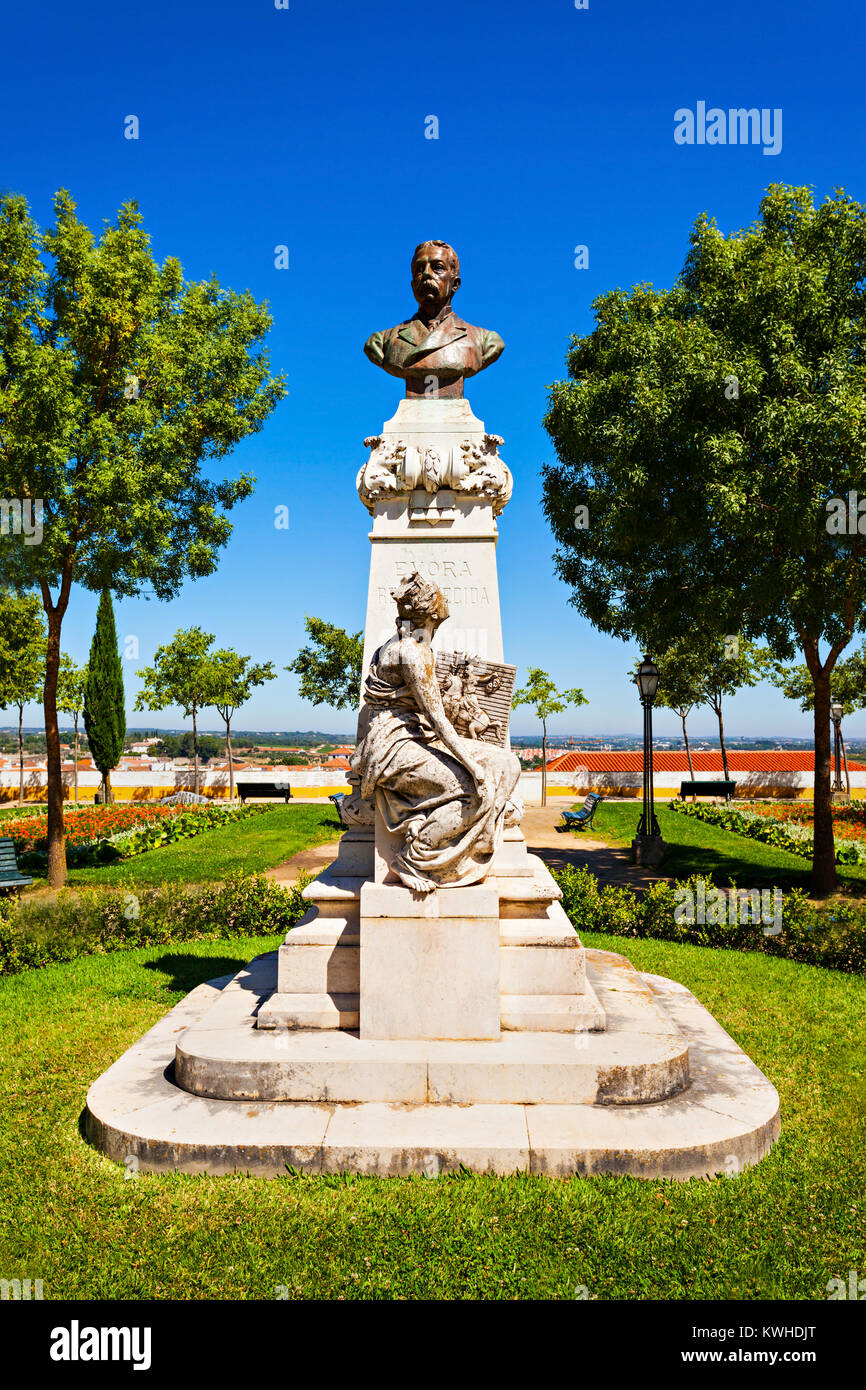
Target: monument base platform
[[590, 1112]]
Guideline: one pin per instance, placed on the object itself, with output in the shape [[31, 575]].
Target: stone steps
[[724, 1121], [641, 1057]]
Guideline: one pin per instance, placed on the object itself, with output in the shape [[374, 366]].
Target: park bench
[[338, 798], [251, 790], [11, 876], [582, 819], [725, 789]]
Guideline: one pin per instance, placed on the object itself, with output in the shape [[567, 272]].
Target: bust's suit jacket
[[453, 347]]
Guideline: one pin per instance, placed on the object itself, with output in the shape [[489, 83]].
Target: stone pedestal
[[399, 1032], [429, 963], [448, 537], [648, 850]]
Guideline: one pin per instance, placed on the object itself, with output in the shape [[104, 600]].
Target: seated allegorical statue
[[447, 797]]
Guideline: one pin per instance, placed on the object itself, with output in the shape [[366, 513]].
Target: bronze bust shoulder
[[434, 350]]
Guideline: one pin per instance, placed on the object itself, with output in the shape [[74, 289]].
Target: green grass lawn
[[259, 842], [780, 1230], [697, 848]]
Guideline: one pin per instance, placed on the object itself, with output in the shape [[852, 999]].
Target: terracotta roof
[[772, 760]]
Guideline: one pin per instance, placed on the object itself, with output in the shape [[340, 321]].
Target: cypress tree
[[104, 702]]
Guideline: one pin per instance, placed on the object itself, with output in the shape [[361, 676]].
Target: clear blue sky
[[305, 127]]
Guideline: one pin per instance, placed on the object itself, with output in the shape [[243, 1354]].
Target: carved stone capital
[[472, 467]]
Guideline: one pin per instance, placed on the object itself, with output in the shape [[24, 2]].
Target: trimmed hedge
[[832, 936], [42, 931]]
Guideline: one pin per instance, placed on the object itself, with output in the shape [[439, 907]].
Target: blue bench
[[338, 798], [582, 819], [10, 875]]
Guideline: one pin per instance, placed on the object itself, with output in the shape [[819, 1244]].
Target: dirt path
[[313, 861], [609, 863]]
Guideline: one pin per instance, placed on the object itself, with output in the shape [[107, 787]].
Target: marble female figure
[[447, 797]]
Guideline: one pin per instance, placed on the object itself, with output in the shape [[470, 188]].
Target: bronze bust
[[434, 350]]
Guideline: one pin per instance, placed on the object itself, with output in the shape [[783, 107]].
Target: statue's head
[[435, 276], [419, 602]]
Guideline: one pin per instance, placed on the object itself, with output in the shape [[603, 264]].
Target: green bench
[[10, 875], [725, 789], [247, 791]]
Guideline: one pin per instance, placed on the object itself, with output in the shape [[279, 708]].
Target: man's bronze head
[[435, 276]]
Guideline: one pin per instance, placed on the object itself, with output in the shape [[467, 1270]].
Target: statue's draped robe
[[405, 768]]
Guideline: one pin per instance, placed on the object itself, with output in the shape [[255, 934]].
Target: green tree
[[180, 675], [330, 665], [847, 685], [22, 660], [681, 684], [231, 681], [730, 663], [183, 746], [71, 689], [847, 688], [118, 382], [542, 696], [104, 698], [708, 429]]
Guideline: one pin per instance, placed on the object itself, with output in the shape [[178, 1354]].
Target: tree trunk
[[544, 763], [824, 862], [194, 753], [688, 750], [106, 788], [229, 753], [56, 845], [21, 755], [722, 742], [75, 773]]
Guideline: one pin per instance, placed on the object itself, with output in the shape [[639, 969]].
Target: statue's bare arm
[[418, 666]]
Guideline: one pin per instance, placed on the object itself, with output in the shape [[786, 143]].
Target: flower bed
[[772, 826], [103, 834]]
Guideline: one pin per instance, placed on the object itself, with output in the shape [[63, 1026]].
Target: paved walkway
[[609, 863]]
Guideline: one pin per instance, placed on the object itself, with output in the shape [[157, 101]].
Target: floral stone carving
[[472, 466]]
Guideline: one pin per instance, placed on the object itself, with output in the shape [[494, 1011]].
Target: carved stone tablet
[[476, 695]]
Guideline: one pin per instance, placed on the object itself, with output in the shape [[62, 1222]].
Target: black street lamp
[[836, 716], [648, 845]]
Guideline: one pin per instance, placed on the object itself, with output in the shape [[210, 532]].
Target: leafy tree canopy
[[120, 383], [22, 648], [330, 665], [180, 674], [847, 683], [710, 430]]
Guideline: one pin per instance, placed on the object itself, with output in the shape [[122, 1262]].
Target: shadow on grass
[[682, 861], [182, 972]]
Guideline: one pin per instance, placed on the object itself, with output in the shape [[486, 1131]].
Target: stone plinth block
[[429, 963]]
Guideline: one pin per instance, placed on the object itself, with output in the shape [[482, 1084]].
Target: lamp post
[[648, 846], [837, 789]]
